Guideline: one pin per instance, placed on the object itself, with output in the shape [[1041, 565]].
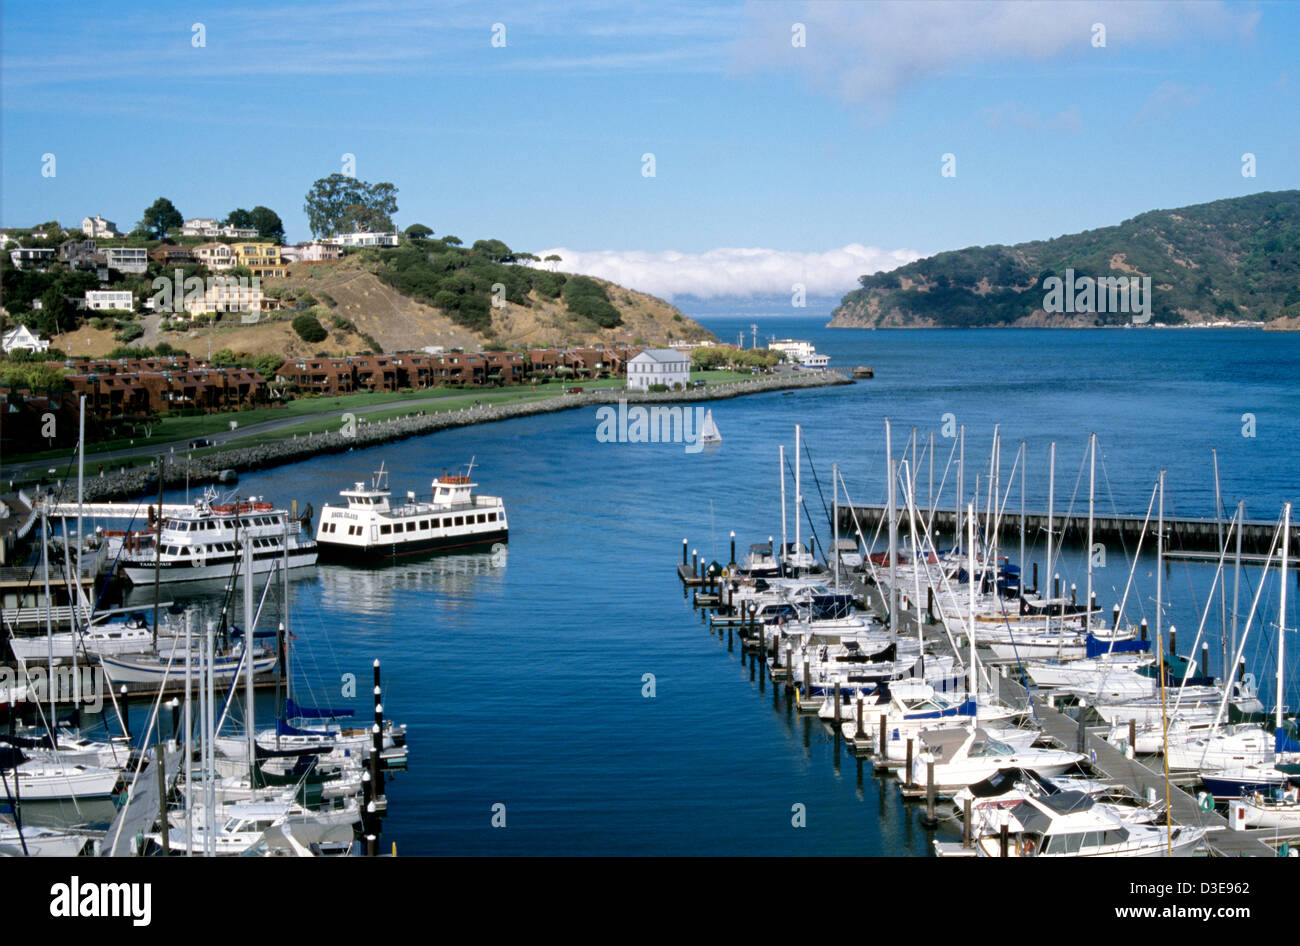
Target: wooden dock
[[1182, 534], [1109, 763]]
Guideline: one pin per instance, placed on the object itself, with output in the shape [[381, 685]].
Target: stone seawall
[[131, 483]]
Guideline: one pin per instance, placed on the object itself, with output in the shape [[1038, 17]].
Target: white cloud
[[731, 271], [866, 53]]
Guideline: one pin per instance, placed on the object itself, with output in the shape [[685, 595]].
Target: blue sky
[[823, 160]]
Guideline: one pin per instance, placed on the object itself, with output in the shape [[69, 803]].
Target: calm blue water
[[521, 680]]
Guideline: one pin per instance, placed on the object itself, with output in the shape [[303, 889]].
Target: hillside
[[1234, 260], [360, 310]]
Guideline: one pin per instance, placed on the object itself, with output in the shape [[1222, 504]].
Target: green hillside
[[1229, 260]]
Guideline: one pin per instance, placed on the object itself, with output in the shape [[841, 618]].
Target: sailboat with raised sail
[[709, 430]]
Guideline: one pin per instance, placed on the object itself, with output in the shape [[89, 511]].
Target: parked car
[[196, 444], [699, 384], [573, 390]]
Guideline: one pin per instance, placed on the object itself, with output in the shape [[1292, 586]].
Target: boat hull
[[385, 553]]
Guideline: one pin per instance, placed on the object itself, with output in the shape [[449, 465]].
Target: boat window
[[482, 517], [446, 523], [1116, 836], [1064, 843], [1092, 840], [385, 529], [460, 520], [410, 526], [424, 523], [492, 517], [183, 527]]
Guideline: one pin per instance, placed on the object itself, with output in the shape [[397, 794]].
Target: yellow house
[[262, 259]]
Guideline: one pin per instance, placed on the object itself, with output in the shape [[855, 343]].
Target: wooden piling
[[929, 820], [907, 776], [860, 735], [966, 824], [883, 730]]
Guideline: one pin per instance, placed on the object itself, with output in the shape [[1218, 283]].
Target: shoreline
[[129, 484]]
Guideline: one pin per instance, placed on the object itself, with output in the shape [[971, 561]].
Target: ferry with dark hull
[[371, 530]]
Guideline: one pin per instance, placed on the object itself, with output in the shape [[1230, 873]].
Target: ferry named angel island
[[370, 530]]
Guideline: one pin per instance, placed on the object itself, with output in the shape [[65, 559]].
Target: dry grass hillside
[[397, 322]]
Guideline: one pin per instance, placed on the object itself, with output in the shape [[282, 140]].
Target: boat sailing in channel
[[206, 540], [370, 529]]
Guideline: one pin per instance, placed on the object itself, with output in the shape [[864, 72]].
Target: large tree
[[239, 217], [268, 223], [418, 231], [341, 204], [160, 217]]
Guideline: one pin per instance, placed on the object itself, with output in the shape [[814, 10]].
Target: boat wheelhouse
[[371, 530], [207, 542]]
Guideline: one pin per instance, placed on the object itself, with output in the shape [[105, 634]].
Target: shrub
[[129, 333], [309, 328], [586, 297]]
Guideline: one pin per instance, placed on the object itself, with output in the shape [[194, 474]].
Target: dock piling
[[837, 707], [684, 551], [907, 771], [860, 734], [965, 824], [882, 735], [929, 820]]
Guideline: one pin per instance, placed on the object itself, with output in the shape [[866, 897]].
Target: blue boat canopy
[[1095, 648], [294, 711]]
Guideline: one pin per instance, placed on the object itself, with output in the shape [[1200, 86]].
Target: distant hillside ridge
[[1232, 260]]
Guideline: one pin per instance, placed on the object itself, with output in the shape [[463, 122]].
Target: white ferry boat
[[370, 529], [207, 542], [799, 353]]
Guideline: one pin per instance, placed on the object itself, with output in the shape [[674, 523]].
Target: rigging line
[[934, 501], [817, 480], [811, 528]]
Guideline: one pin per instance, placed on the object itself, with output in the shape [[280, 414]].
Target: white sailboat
[[709, 430]]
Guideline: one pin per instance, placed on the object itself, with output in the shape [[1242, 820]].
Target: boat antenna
[[469, 469]]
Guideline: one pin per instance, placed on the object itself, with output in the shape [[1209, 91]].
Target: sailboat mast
[[248, 653], [1160, 566], [49, 628], [798, 488], [1281, 608], [1024, 469], [893, 535], [835, 520], [1092, 489], [81, 540], [1051, 497], [1230, 672], [1223, 597], [970, 565], [961, 482], [781, 553], [189, 738]]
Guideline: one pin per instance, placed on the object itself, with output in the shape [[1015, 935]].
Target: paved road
[[67, 466]]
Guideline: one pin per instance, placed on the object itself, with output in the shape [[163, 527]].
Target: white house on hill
[[658, 366], [23, 338]]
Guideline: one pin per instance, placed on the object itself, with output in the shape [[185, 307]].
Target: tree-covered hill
[[1229, 260]]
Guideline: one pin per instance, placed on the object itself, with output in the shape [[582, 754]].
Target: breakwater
[[130, 483]]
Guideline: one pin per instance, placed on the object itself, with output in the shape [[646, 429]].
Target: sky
[[710, 149]]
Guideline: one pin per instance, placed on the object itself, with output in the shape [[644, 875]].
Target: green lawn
[[323, 413]]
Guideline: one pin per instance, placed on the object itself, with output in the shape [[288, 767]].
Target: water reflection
[[457, 579]]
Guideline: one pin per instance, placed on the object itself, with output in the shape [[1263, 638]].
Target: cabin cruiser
[[1072, 824], [964, 755], [129, 634], [371, 530]]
